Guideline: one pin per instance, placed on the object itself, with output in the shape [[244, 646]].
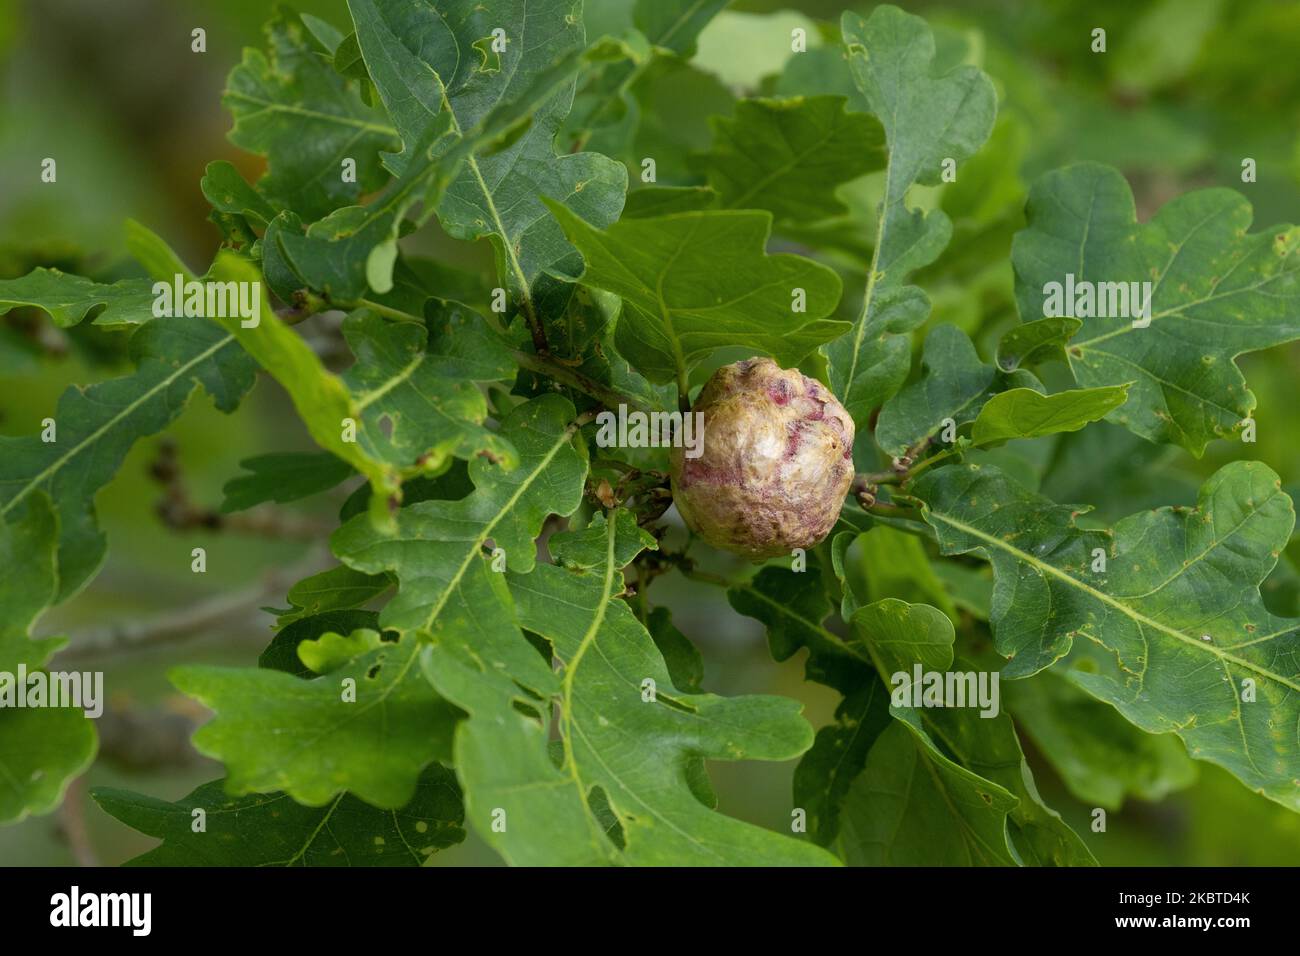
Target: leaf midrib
[[478, 541], [1136, 616], [272, 106], [123, 414], [566, 702]]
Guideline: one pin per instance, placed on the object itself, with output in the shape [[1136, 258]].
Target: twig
[[190, 621], [140, 739], [706, 577], [553, 368], [178, 512]]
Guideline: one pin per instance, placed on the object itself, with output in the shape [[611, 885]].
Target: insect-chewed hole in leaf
[[373, 672], [386, 426], [528, 711], [598, 803], [529, 692], [543, 647]]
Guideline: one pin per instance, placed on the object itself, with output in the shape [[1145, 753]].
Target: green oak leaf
[[973, 763], [282, 477], [651, 201], [579, 325], [516, 796], [438, 545], [322, 399], [98, 425], [604, 101], [416, 387], [829, 780], [697, 281], [912, 807], [674, 25], [270, 829], [282, 653], [423, 61], [1217, 292], [41, 748], [68, 299], [795, 614], [230, 193], [477, 658], [29, 561], [954, 385], [1035, 342], [369, 727], [1160, 616], [607, 657], [354, 249], [336, 589], [788, 156], [290, 106], [94, 428], [1101, 757], [412, 393], [586, 549], [1026, 413], [333, 650], [821, 70], [927, 118], [480, 661], [681, 657]]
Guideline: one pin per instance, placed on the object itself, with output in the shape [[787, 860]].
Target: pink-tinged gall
[[776, 465]]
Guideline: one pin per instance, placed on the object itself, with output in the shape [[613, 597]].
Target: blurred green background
[[1185, 91]]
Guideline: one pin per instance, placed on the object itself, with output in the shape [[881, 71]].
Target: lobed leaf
[[98, 425], [954, 385], [607, 657], [1027, 413], [1160, 616], [427, 61], [927, 117], [270, 829], [282, 477], [414, 404], [290, 106], [41, 748], [1101, 757], [697, 281], [438, 545], [69, 299], [788, 156], [1216, 292], [314, 740], [976, 779]]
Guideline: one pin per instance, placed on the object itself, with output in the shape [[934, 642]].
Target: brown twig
[[177, 511], [560, 371], [192, 620], [139, 739]]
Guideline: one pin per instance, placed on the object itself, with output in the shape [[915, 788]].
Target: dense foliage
[[487, 652]]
